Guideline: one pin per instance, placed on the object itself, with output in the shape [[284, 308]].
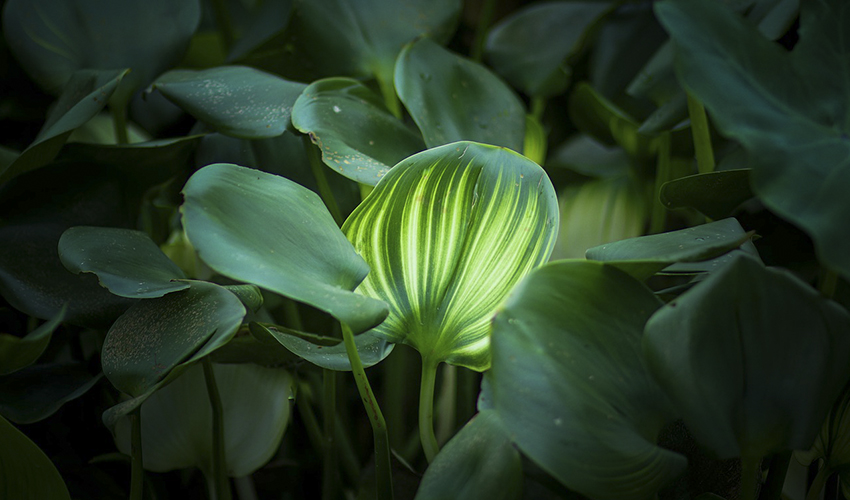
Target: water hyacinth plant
[[558, 250]]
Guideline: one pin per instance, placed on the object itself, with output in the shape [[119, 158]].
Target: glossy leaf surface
[[753, 358], [177, 419], [155, 335], [25, 471], [452, 98], [356, 134], [234, 100], [19, 352], [789, 110], [479, 463], [570, 383], [298, 251], [126, 261], [447, 233]]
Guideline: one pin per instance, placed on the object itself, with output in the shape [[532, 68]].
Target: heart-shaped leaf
[[234, 100], [753, 359], [25, 471], [455, 99], [354, 131], [447, 233], [264, 229], [156, 335], [552, 32], [127, 262], [570, 384], [479, 463], [789, 110], [19, 352], [177, 419]]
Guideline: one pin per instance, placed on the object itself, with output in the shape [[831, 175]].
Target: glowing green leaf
[[447, 233]]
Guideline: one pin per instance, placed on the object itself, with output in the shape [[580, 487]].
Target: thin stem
[[245, 489], [383, 473], [701, 135], [219, 458], [772, 489], [817, 485], [828, 282], [485, 17], [390, 97], [662, 175], [538, 106], [308, 417], [446, 404], [426, 409], [222, 20], [330, 484], [293, 317], [119, 121], [137, 471], [318, 169], [750, 474]]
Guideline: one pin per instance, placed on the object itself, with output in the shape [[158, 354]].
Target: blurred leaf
[[731, 355], [479, 463], [83, 97], [234, 100], [264, 229], [832, 444], [327, 352], [267, 21], [715, 194], [53, 40], [177, 419], [127, 262], [36, 392], [353, 129], [600, 118], [156, 335], [585, 155], [532, 47], [19, 352], [25, 471], [100, 130], [646, 255], [452, 98], [447, 233], [570, 384], [535, 142], [789, 110]]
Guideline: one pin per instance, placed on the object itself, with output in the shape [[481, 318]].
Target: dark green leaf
[[234, 100], [266, 230], [789, 110], [127, 262], [19, 352], [156, 335], [479, 463], [53, 40], [753, 359], [353, 129], [600, 118], [25, 471], [646, 255], [831, 444], [452, 98], [447, 233], [715, 194], [267, 21], [532, 47], [38, 391], [570, 384], [249, 295], [587, 156]]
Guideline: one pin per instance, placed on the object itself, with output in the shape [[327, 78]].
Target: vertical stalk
[[119, 121], [330, 484], [817, 485], [137, 471], [750, 473], [662, 175], [245, 489], [446, 404], [219, 458], [389, 94], [383, 473], [426, 409], [701, 135], [777, 471], [538, 106], [828, 282], [485, 17], [318, 169], [222, 20]]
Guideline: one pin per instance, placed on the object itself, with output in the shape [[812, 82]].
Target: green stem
[[293, 317], [383, 473], [245, 489], [772, 489], [538, 106], [390, 97], [222, 20], [137, 471], [750, 473], [485, 17], [330, 484], [818, 484], [446, 404], [219, 458], [318, 168], [426, 409], [119, 120], [828, 282], [662, 175], [701, 135]]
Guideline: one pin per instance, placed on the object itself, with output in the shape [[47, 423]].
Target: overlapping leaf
[[447, 233], [25, 471], [19, 352]]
